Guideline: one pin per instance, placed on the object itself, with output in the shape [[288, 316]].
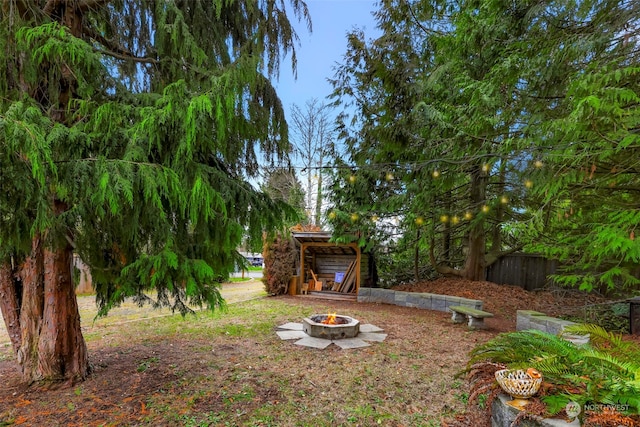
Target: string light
[[455, 219]]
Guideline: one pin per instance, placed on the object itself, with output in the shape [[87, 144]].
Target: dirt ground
[[146, 374]]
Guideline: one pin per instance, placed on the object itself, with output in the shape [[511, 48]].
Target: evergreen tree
[[585, 129], [128, 133], [519, 131]]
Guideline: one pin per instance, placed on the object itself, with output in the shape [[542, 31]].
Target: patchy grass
[[231, 369], [240, 279]]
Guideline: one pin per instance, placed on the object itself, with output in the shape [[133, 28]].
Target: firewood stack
[[348, 284]]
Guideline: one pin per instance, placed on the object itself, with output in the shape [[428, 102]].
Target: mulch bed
[[505, 300]]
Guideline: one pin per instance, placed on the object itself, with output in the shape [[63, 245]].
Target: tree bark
[[475, 264], [40, 311], [416, 258], [10, 292], [474, 268], [62, 352], [446, 235], [496, 235], [31, 273]]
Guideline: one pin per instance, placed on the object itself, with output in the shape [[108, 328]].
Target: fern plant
[[604, 372]]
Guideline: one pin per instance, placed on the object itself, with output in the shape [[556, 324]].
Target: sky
[[319, 51]]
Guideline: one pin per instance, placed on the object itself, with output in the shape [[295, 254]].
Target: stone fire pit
[[331, 327], [321, 330]]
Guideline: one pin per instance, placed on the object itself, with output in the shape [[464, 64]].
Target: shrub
[[279, 258]]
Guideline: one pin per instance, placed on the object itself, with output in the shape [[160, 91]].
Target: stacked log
[[348, 282]]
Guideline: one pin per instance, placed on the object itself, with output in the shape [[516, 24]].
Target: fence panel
[[525, 270]]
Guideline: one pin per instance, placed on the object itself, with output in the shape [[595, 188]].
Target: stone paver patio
[[294, 331]]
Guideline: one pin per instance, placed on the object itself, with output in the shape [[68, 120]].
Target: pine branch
[[115, 50]]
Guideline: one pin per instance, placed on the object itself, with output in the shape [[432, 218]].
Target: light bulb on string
[[538, 164], [528, 183], [355, 217], [486, 167], [352, 179], [444, 218], [374, 218], [389, 176], [332, 215], [485, 209], [468, 215], [436, 173], [504, 200], [455, 220], [419, 221]]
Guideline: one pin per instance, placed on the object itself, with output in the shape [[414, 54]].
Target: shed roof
[[318, 242]]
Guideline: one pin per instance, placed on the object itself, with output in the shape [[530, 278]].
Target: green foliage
[[135, 134], [605, 371], [519, 120]]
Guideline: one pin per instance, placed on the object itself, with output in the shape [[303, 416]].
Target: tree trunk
[[416, 258], [31, 273], [10, 293], [475, 263], [318, 210], [47, 338], [62, 350], [496, 235], [446, 235]]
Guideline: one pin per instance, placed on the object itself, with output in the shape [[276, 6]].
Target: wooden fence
[[525, 270]]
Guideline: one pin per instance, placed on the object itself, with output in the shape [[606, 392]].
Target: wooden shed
[[324, 267]]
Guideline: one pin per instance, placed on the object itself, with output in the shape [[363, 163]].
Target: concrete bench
[[476, 317]]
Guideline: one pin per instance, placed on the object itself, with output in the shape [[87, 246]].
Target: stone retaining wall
[[503, 415], [529, 319], [422, 300]]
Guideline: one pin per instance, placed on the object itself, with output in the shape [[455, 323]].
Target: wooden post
[[303, 248]]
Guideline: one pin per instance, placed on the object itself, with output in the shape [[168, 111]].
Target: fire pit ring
[[344, 327]]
